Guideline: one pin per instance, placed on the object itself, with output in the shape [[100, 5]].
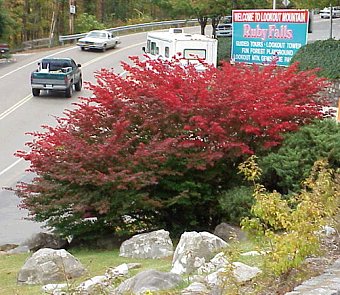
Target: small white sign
[[72, 9], [285, 2]]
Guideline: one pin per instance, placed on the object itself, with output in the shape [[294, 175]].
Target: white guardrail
[[126, 29]]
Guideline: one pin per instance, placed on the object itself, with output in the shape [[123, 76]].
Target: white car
[[98, 39], [326, 12]]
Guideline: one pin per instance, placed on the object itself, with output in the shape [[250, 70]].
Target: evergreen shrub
[[224, 49], [321, 54], [285, 168], [236, 203]]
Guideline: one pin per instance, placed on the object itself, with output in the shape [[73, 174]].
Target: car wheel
[[69, 91], [104, 48], [78, 85], [82, 48], [35, 92]]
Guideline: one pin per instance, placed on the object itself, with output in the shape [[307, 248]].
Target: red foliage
[[124, 135]]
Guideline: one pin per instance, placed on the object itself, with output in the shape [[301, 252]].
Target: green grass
[[95, 262]]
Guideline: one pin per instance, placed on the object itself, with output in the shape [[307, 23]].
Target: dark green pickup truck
[[57, 74]]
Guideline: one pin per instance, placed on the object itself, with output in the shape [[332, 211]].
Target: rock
[[49, 266], [45, 240], [192, 248], [19, 249], [241, 272], [196, 288], [149, 280], [219, 261], [104, 284], [152, 245], [228, 232], [94, 286], [118, 271], [7, 247], [328, 230], [244, 273], [55, 288]]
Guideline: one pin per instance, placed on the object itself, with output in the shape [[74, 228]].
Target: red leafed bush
[[151, 145]]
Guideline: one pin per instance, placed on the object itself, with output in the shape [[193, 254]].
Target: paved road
[[322, 29]]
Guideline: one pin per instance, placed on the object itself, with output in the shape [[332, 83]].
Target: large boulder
[[156, 244], [149, 280], [240, 271], [45, 240], [229, 232], [194, 249], [48, 266]]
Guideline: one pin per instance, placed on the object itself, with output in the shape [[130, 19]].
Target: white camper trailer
[[189, 48]]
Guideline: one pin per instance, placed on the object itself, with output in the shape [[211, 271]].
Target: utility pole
[[274, 4], [331, 22], [72, 9]]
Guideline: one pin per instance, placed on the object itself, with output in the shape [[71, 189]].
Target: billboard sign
[[261, 36]]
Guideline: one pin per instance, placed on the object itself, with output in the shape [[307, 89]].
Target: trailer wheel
[[35, 92], [69, 91]]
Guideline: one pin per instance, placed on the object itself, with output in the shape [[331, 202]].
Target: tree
[[87, 22], [203, 10], [161, 145], [3, 21]]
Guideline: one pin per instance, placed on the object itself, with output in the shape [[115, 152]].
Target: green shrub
[[285, 169], [322, 54], [236, 203], [289, 229], [224, 49]]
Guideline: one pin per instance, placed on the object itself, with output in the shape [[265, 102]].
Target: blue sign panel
[[264, 36]]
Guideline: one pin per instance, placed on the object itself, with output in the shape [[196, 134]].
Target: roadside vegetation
[[247, 145], [322, 55], [27, 20], [166, 152]]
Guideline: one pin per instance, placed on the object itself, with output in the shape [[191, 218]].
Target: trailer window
[[195, 53], [166, 51], [148, 46], [154, 49]]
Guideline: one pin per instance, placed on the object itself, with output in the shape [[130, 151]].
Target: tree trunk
[[203, 23], [214, 23]]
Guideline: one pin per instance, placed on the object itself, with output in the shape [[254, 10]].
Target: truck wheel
[[35, 92], [69, 91], [78, 85]]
